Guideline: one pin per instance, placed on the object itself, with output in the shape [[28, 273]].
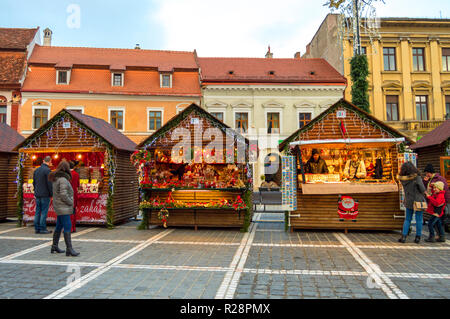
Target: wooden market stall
[[9, 138], [108, 192], [434, 148], [186, 181], [367, 182]]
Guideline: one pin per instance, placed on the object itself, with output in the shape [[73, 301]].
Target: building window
[[273, 123], [392, 107], [218, 115], [303, 119], [116, 119], [2, 113], [418, 59], [154, 120], [242, 122], [40, 117], [165, 80], [422, 107], [117, 79], [389, 59], [364, 50], [447, 107], [446, 59], [63, 77]]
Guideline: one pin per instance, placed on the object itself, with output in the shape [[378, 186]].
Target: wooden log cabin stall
[[108, 192], [9, 139], [362, 194], [195, 184]]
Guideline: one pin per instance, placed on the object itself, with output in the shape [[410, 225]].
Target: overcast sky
[[215, 28]]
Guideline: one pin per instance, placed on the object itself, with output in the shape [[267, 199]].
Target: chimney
[[48, 37], [137, 47], [269, 55], [297, 55]]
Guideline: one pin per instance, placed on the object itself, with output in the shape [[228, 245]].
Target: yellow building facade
[[409, 69]]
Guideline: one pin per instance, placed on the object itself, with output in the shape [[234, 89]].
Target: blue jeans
[[435, 221], [407, 223], [40, 217], [63, 221]]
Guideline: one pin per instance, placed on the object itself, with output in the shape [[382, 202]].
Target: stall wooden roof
[[172, 123], [9, 138], [437, 136], [313, 130], [98, 126]]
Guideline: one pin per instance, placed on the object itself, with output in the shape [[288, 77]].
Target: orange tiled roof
[[16, 39], [141, 69], [12, 66], [257, 70]]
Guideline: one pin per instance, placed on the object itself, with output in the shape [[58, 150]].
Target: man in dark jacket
[[43, 192], [316, 165]]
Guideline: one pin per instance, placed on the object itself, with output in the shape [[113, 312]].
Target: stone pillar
[[377, 60], [407, 112], [437, 111]]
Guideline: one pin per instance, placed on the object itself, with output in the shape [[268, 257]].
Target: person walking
[[436, 201], [432, 177], [414, 192], [75, 182], [63, 205], [43, 192]]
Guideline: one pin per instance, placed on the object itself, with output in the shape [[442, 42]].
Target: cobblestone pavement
[[266, 262]]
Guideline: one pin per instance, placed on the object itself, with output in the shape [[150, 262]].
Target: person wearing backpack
[[414, 199]]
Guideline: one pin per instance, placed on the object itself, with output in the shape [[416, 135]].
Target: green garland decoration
[[111, 189], [247, 198], [20, 190], [286, 221], [359, 72]]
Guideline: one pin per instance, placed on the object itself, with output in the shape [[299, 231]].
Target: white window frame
[[304, 110], [34, 107], [219, 110], [76, 108], [68, 77], [274, 110], [243, 110], [161, 80], [117, 108], [153, 109], [122, 78]]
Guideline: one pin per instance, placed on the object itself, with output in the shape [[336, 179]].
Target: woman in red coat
[[436, 205], [75, 184]]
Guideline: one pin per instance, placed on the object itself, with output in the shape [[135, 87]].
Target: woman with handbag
[[436, 209], [414, 199]]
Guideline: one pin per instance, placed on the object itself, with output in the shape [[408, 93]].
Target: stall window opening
[[422, 107], [218, 115], [392, 107], [242, 122], [40, 118], [418, 59], [389, 59], [117, 119], [155, 120], [273, 123], [2, 113], [303, 119], [446, 59]]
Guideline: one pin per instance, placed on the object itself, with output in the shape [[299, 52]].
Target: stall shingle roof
[[435, 137], [9, 138]]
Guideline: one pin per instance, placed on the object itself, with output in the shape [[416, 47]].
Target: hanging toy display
[[347, 208]]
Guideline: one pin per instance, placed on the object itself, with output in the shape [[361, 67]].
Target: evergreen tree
[[359, 72]]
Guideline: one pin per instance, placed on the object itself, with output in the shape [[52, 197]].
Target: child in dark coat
[[436, 206]]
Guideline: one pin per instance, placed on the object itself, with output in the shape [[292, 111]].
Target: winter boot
[[430, 239], [417, 240], [55, 248], [402, 239], [69, 249], [441, 238]]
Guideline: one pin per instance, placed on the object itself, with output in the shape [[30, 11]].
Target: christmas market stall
[[194, 172], [108, 192], [345, 166], [9, 138]]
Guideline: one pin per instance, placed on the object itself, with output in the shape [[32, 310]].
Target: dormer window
[[231, 72], [62, 77], [271, 72], [166, 80], [117, 79]]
